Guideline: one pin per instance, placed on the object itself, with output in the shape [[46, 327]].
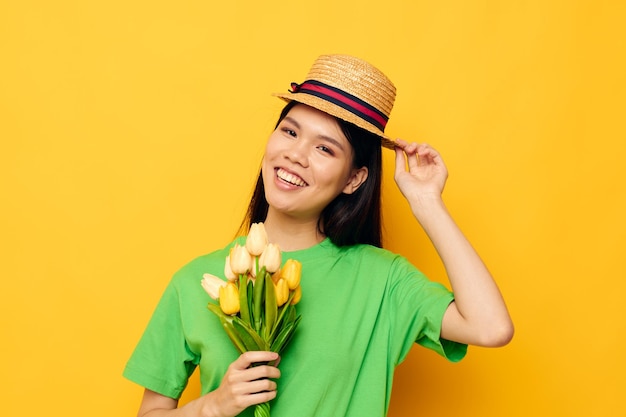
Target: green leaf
[[271, 309], [285, 335], [245, 337], [285, 309], [278, 324], [249, 293], [291, 314], [232, 334], [215, 308], [244, 311], [227, 321], [242, 327]]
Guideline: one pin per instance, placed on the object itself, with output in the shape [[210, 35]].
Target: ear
[[357, 178]]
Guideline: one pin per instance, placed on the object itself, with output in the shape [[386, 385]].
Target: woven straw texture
[[356, 77]]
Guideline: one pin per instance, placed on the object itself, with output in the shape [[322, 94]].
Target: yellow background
[[131, 133]]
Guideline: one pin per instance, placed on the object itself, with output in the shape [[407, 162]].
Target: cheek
[[343, 174], [271, 149], [264, 168], [268, 153]]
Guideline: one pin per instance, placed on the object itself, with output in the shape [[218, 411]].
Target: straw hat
[[350, 89]]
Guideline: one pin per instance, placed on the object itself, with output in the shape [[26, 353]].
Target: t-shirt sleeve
[[162, 360], [419, 306]]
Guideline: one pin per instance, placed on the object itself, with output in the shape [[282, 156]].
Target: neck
[[292, 233]]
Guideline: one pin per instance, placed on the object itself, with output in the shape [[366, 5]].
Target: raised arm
[[478, 316]]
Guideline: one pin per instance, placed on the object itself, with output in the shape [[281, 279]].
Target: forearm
[[242, 386], [479, 315], [157, 405]]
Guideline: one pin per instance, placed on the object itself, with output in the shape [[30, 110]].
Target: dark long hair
[[350, 218]]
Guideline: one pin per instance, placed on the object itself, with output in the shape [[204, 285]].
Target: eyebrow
[[324, 137]]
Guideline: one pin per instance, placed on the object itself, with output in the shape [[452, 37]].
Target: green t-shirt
[[362, 310]]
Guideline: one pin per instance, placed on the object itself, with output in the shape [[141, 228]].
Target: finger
[[408, 147], [425, 148], [245, 400], [400, 161], [412, 157], [260, 385], [428, 154], [276, 362], [248, 358], [411, 148], [409, 157], [262, 371], [253, 386], [401, 143], [260, 397]]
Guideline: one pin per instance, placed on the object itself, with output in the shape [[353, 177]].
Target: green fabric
[[362, 310]]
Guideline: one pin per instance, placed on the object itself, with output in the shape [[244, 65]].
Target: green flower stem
[[271, 309], [262, 410]]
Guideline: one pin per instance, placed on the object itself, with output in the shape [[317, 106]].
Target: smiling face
[[307, 163]]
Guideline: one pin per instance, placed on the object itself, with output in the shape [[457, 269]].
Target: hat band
[[344, 100]]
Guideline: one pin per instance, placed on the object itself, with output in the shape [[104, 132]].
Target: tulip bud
[[297, 296], [270, 258], [240, 259], [291, 272], [282, 292], [212, 285], [257, 239], [229, 298], [228, 272]]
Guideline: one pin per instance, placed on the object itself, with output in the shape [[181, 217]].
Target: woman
[[318, 194]]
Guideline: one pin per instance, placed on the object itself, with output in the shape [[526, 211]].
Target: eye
[[325, 149], [288, 131]]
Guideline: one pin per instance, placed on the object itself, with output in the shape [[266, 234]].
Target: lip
[[289, 178]]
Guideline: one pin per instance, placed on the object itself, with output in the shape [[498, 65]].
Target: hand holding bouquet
[[257, 302]]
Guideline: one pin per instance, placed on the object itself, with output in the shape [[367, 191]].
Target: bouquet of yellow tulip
[[257, 301]]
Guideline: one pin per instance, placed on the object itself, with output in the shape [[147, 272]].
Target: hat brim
[[338, 112]]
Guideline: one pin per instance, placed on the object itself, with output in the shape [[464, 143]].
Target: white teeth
[[291, 179]]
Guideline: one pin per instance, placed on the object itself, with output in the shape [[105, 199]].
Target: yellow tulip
[[257, 239], [212, 285], [282, 292], [228, 272], [270, 258], [229, 299], [297, 296], [240, 259], [291, 272]]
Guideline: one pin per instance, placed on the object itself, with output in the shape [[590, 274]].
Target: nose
[[298, 152]]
